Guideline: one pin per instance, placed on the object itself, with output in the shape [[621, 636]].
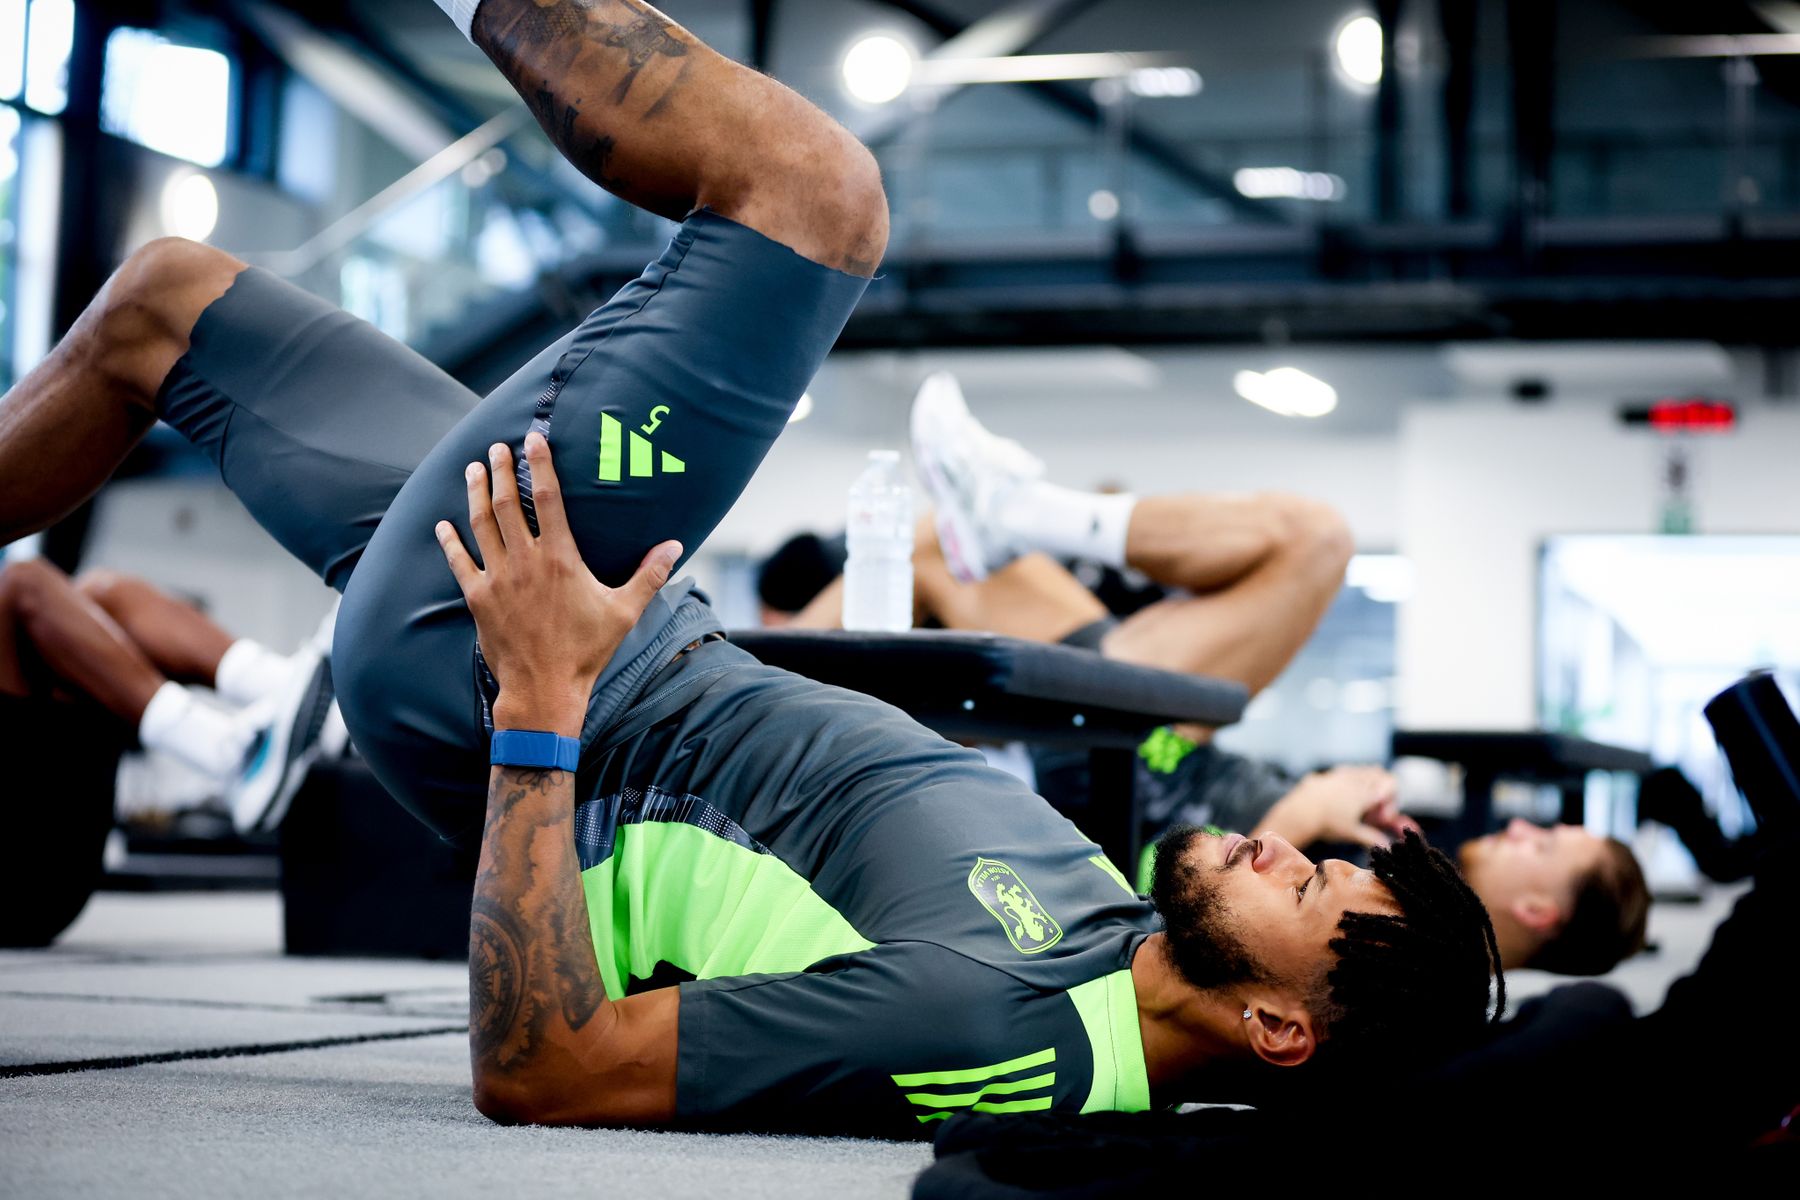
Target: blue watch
[[529, 748]]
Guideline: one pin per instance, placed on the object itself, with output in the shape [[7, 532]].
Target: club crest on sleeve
[[1003, 893]]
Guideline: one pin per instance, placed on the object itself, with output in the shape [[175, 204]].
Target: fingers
[[546, 489], [1383, 815], [508, 513], [461, 565], [1364, 835], [481, 516], [651, 575]]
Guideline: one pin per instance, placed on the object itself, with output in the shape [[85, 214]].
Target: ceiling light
[[1358, 47], [1268, 183], [1104, 205], [1035, 68], [482, 170], [878, 69], [802, 410], [1287, 391], [1155, 83], [190, 206]]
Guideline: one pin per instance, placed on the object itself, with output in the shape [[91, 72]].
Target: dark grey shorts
[[349, 448]]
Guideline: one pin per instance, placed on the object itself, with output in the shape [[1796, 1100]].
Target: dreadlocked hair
[[1414, 985]]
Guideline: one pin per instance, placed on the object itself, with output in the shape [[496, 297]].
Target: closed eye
[[1300, 892]]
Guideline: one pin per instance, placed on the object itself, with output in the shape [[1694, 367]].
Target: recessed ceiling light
[[1287, 391], [878, 68], [1358, 49]]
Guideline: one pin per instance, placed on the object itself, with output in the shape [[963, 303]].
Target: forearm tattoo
[[532, 970], [577, 62]]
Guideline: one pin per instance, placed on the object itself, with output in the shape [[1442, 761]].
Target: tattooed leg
[[657, 118]]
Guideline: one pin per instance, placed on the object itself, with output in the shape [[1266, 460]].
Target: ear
[[1538, 913], [1280, 1031]]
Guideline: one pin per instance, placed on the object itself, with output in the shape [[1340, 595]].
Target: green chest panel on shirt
[[675, 893]]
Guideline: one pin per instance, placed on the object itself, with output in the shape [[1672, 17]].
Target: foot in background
[[286, 747], [969, 473]]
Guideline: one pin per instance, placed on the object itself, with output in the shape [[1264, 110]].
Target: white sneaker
[[322, 637], [284, 749], [968, 473], [334, 735]]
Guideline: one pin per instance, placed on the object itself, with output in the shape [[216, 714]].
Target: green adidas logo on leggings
[[613, 444]]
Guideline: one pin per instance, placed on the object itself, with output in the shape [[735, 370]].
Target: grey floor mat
[[163, 976]]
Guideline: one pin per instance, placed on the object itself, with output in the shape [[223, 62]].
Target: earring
[[1246, 1014]]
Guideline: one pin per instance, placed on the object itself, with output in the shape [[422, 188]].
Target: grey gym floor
[[226, 1106]]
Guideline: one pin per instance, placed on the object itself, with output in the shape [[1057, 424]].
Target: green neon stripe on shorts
[[1008, 1088], [674, 893], [974, 1074]]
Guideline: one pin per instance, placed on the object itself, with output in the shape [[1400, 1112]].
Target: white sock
[[183, 726], [462, 12], [250, 671], [1065, 523]]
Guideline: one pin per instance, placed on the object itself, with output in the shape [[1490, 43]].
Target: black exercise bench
[[1530, 757], [980, 687]]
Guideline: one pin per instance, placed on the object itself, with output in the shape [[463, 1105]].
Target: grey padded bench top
[[984, 686]]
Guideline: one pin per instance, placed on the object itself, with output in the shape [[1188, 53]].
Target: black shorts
[[349, 448]]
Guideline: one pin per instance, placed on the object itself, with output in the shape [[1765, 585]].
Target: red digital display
[[1692, 414], [1689, 415]]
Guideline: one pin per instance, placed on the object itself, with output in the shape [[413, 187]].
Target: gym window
[[165, 96], [34, 52]]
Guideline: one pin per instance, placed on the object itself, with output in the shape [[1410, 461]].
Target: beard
[[1204, 939]]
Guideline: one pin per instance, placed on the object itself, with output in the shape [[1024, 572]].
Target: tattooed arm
[[546, 1043], [651, 114]]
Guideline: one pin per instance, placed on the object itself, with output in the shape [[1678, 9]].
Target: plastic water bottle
[[878, 579]]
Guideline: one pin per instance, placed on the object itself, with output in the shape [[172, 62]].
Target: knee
[[26, 585], [105, 588], [855, 200], [150, 306], [1316, 531], [156, 273], [828, 187]]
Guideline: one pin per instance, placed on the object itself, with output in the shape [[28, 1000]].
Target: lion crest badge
[[999, 888]]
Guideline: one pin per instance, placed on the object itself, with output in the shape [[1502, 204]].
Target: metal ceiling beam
[[1010, 31], [1077, 101], [762, 33]]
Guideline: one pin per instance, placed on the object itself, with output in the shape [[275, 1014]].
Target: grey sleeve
[[819, 1051]]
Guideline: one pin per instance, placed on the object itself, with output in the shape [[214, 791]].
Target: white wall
[[193, 538], [805, 479], [1467, 491], [1481, 486]]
